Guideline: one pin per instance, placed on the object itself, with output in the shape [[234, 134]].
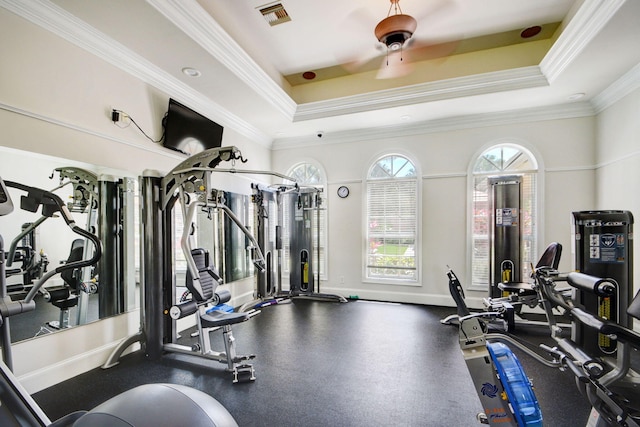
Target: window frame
[[537, 171], [417, 233]]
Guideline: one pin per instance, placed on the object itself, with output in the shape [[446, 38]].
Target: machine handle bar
[[596, 285], [52, 203], [97, 254], [587, 370]]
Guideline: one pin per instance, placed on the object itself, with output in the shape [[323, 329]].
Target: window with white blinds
[[392, 220], [499, 160]]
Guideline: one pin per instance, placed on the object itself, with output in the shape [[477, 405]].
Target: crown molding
[[622, 87], [479, 84], [196, 22], [188, 15], [156, 148], [553, 112], [579, 32], [585, 24], [52, 18]]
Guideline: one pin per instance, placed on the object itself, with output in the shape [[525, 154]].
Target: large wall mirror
[[101, 201], [228, 246]]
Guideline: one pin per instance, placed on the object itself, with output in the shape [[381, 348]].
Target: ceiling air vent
[[275, 14]]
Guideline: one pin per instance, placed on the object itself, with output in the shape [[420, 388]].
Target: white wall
[[618, 160], [56, 99], [565, 149]]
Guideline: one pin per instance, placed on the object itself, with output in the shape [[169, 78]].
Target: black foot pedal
[[244, 373], [482, 418]]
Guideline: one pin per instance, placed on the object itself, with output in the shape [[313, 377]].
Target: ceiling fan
[[395, 35], [394, 30]]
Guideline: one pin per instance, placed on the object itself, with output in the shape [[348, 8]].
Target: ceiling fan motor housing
[[394, 30]]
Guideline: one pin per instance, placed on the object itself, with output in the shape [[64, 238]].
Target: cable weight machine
[[288, 226]]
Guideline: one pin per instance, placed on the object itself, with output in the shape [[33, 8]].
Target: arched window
[[392, 220], [502, 160], [308, 174]]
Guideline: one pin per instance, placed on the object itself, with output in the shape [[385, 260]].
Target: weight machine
[[604, 248], [268, 225], [51, 204], [174, 404], [505, 392], [108, 203], [187, 187], [296, 209], [595, 377], [505, 310]]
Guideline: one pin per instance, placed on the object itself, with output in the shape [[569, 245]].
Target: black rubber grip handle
[[595, 285]]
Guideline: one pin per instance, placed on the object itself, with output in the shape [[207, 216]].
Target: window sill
[[413, 284], [477, 288]]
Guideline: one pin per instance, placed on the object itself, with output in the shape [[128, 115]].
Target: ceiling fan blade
[[355, 57], [394, 65], [361, 63], [434, 8], [422, 51], [402, 63]]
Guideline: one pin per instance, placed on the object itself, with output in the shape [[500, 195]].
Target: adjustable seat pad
[[208, 282], [215, 318]]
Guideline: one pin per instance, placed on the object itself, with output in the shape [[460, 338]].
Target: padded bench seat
[[215, 319]]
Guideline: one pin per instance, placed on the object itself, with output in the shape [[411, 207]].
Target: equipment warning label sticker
[[506, 217], [607, 248]]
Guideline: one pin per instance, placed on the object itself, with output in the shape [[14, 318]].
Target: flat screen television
[[189, 132]]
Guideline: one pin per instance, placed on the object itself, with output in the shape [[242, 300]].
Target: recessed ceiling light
[[309, 75], [531, 32], [575, 96], [191, 72]]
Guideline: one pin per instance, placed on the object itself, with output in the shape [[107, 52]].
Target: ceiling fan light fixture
[[395, 41], [394, 30]]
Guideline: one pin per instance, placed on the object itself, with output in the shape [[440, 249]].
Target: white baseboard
[[51, 375], [50, 359], [404, 297]]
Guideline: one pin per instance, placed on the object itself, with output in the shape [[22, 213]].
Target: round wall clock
[[343, 191]]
